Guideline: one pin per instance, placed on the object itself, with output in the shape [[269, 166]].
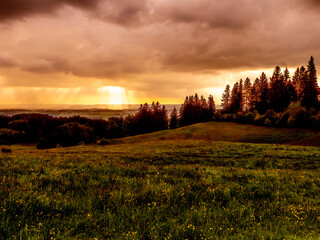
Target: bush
[[227, 117], [315, 121], [272, 117], [9, 136], [71, 134], [218, 115], [259, 119], [240, 117], [299, 118], [43, 144], [19, 125], [283, 120], [267, 122], [103, 141], [249, 118]]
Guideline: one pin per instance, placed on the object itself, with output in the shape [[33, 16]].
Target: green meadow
[[205, 181]]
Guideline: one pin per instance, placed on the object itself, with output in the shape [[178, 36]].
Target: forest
[[281, 101]]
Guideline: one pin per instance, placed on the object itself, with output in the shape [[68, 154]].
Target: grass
[[164, 186], [233, 132]]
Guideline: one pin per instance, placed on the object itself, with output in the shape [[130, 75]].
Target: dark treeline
[[195, 110], [279, 101], [70, 131]]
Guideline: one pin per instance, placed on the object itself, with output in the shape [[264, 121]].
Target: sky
[[125, 51]]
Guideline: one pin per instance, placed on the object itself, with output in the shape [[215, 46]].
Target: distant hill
[[232, 132]]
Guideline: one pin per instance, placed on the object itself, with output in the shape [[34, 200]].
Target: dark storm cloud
[[6, 62], [314, 2], [17, 9], [124, 12], [227, 13], [140, 44], [208, 13]]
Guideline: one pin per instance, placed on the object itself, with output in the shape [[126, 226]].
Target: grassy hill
[[232, 132], [206, 181]]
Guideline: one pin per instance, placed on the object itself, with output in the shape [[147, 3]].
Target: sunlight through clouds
[[112, 95]]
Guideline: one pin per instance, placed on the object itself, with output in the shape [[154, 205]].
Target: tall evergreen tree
[[211, 107], [174, 121], [254, 95], [286, 75], [246, 94], [279, 97], [292, 92], [263, 93], [240, 96], [235, 105], [226, 99], [296, 81], [204, 110], [309, 96]]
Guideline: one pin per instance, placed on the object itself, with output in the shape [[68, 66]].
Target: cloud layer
[[155, 48]]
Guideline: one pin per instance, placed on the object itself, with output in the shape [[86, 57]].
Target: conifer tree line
[[275, 94]]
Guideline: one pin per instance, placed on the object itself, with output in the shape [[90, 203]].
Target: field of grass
[[206, 181]]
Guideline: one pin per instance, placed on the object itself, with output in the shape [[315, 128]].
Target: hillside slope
[[232, 132]]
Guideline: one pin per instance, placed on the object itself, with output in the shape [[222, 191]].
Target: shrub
[[272, 117], [259, 119], [267, 122], [218, 115], [9, 136], [298, 118], [249, 117], [227, 117], [103, 141], [71, 134], [315, 121], [19, 125], [240, 117], [43, 144], [283, 120]]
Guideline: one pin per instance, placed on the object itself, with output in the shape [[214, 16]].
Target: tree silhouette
[[211, 107], [235, 104], [246, 94], [226, 99], [174, 121], [309, 95], [263, 96], [286, 75], [240, 96], [279, 97], [196, 110], [296, 81], [254, 95]]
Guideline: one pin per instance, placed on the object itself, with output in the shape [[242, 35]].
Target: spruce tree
[[309, 96], [246, 94], [240, 96], [235, 99], [254, 95], [226, 99], [279, 97], [174, 121], [292, 92], [263, 93], [286, 75], [211, 107], [296, 82]]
